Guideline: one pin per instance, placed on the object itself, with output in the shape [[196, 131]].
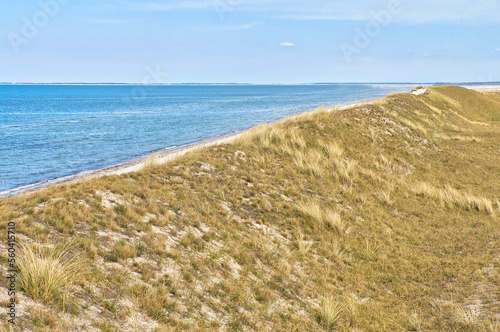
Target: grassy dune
[[379, 217]]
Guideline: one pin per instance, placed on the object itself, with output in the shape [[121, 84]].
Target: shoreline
[[159, 157], [482, 88]]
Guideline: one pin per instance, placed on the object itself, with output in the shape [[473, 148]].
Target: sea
[[52, 132]]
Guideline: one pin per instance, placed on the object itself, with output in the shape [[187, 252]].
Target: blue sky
[[255, 41]]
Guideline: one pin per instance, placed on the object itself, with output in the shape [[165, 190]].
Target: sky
[[249, 41]]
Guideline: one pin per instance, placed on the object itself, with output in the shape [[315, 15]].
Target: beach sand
[[489, 87]]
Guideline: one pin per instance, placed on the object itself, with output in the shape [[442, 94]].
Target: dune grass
[[329, 313], [45, 273], [453, 197], [377, 217]]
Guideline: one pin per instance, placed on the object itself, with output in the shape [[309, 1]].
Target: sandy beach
[[489, 87]]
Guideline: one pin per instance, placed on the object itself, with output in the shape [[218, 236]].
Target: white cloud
[[498, 49], [287, 44]]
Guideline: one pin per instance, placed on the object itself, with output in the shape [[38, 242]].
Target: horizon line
[[233, 83]]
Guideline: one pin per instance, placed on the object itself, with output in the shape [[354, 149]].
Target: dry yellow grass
[[453, 197], [467, 318], [332, 150], [329, 312], [45, 273], [321, 216]]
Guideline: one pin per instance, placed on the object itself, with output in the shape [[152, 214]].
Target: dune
[[380, 216]]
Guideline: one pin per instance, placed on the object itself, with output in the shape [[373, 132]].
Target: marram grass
[[45, 273]]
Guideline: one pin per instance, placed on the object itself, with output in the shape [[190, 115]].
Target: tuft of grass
[[156, 302], [110, 306], [332, 149], [313, 163], [373, 133], [44, 318], [150, 162], [453, 197], [352, 308], [334, 221], [385, 197], [123, 249], [311, 209], [46, 273], [337, 250], [346, 169], [329, 312], [320, 216], [298, 160], [303, 245], [414, 321], [466, 318]]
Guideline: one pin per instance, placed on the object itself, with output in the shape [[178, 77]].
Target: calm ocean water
[[51, 131]]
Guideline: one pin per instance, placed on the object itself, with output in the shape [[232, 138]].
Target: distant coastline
[[259, 84], [220, 84]]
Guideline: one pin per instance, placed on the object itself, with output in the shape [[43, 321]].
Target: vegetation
[[45, 273], [376, 217]]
